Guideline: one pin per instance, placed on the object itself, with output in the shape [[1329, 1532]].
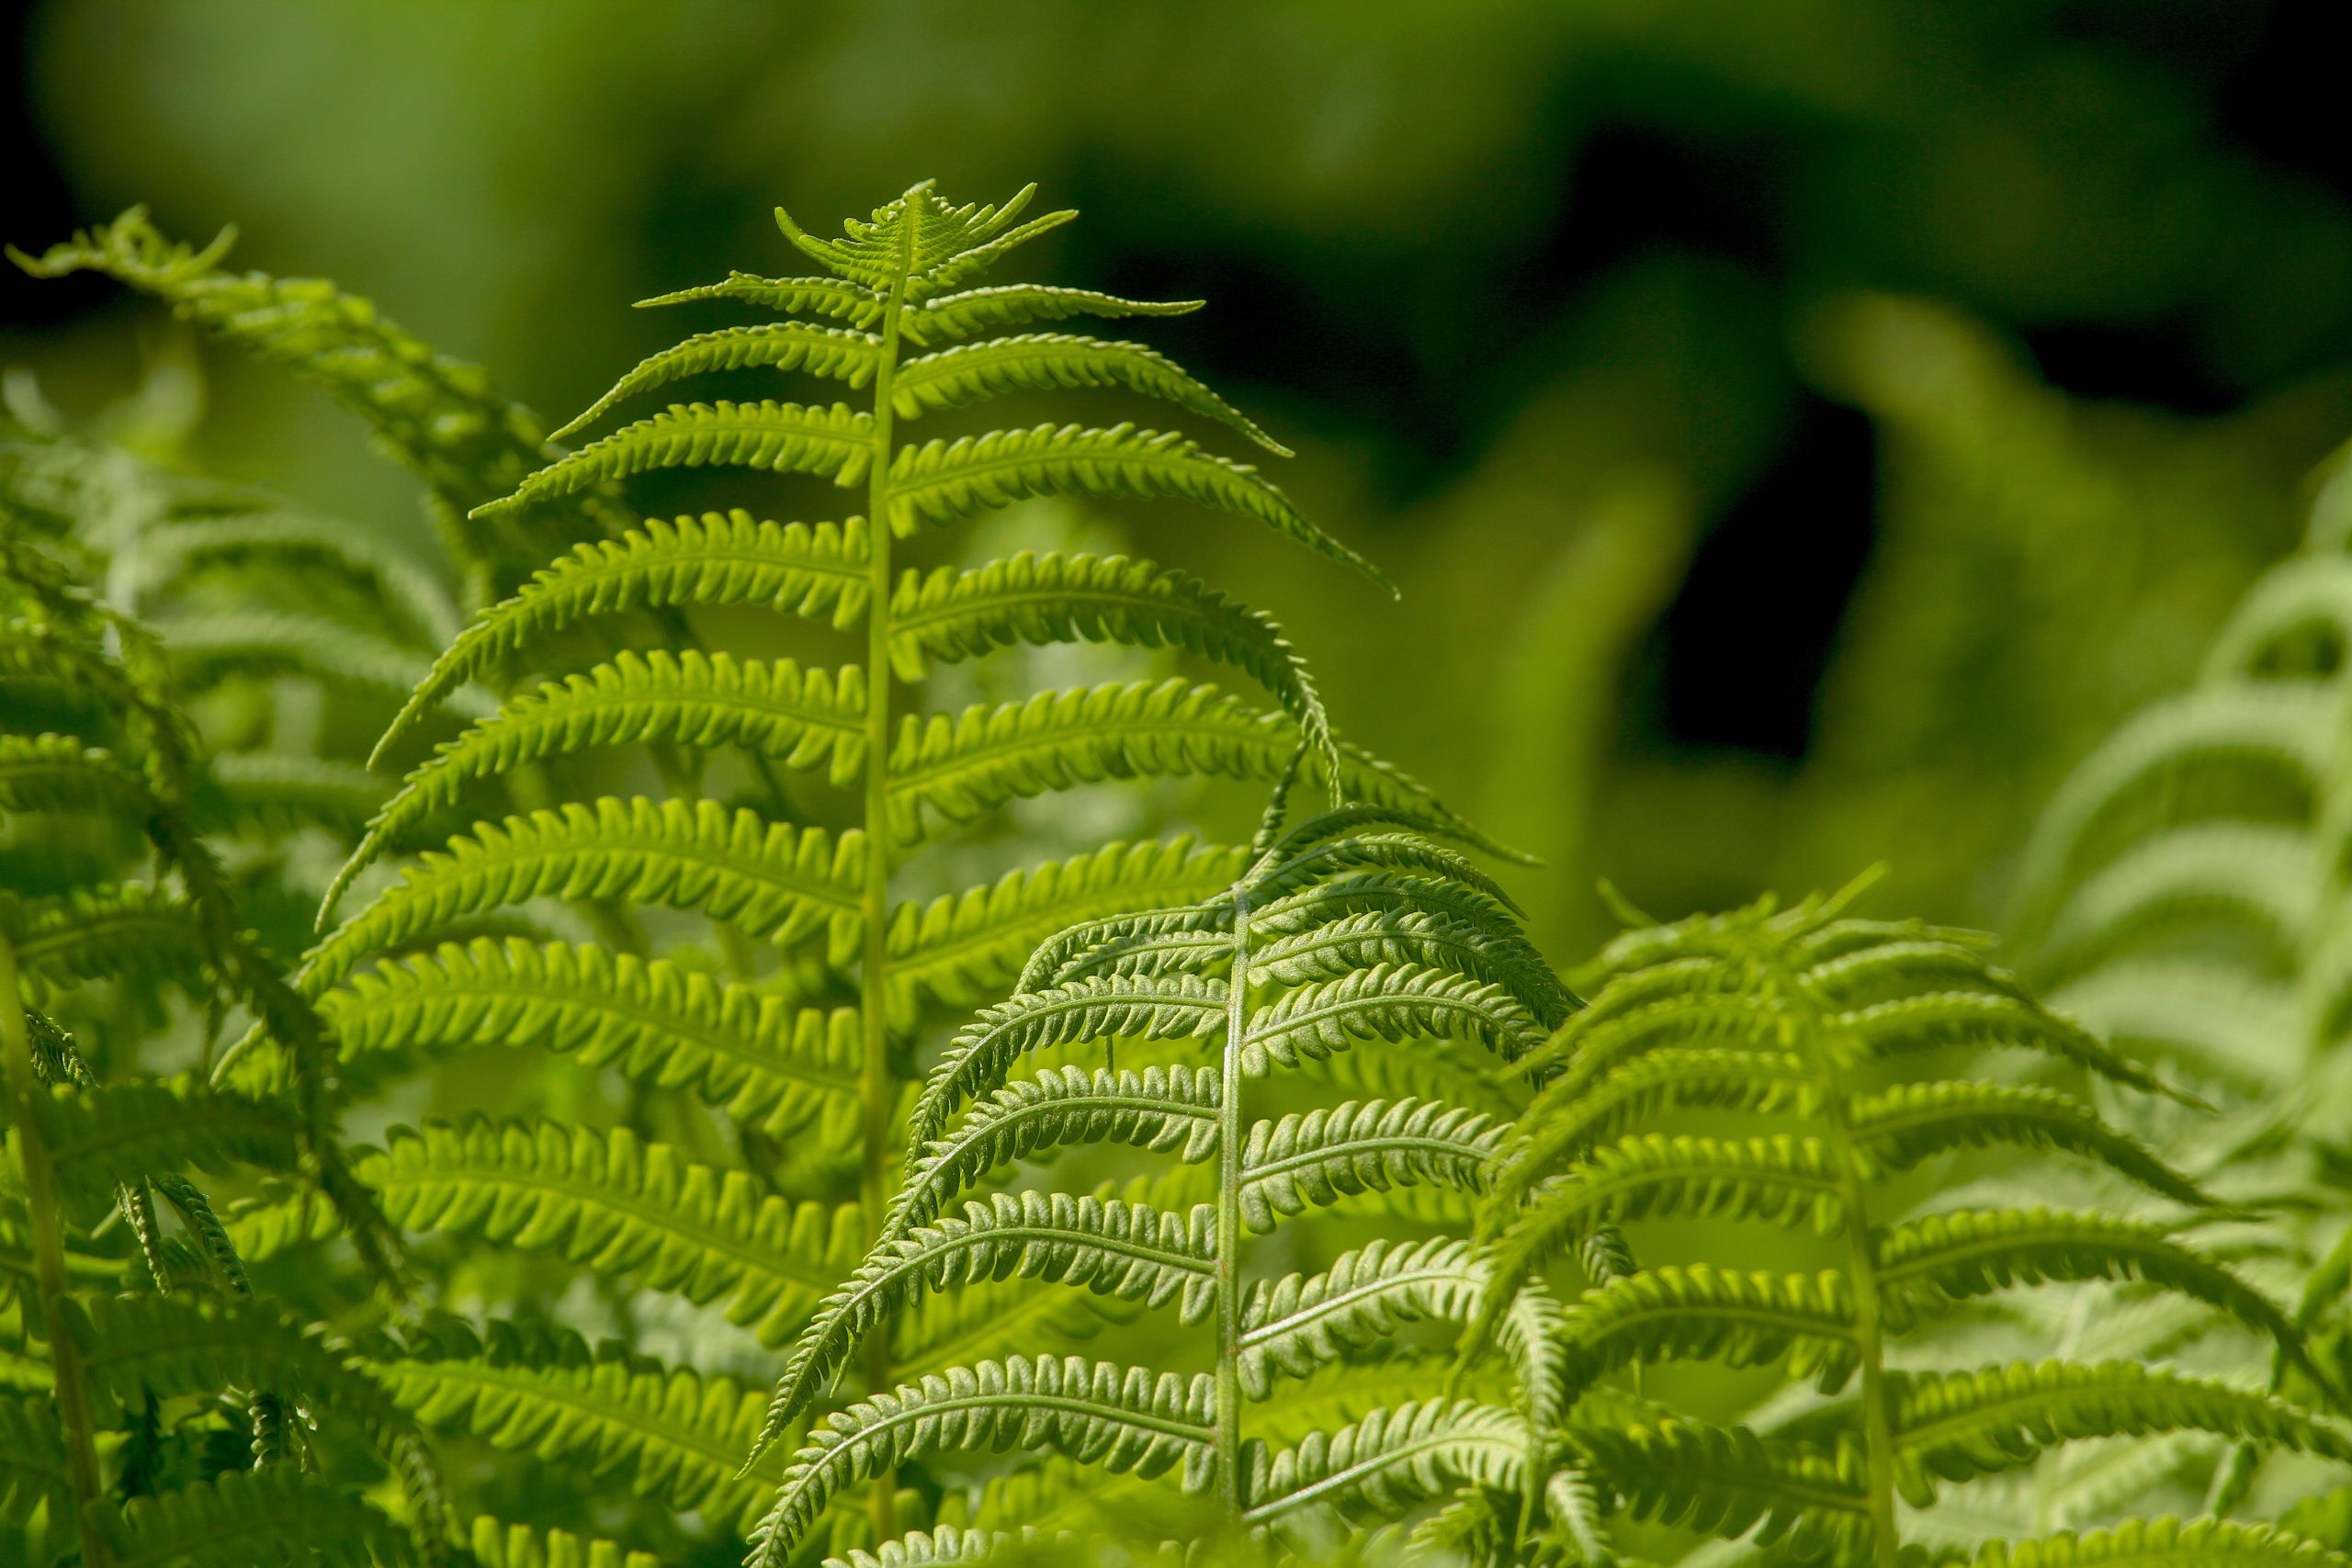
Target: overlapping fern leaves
[[112, 1426], [1353, 933], [1814, 1036]]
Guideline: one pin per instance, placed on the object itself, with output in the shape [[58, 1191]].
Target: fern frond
[[267, 790], [833, 298], [1898, 1129], [1959, 1425], [1495, 953], [720, 559], [965, 947], [772, 881], [1391, 1002], [768, 1064], [1314, 1159], [835, 444], [1728, 1481], [1735, 1319], [980, 1055], [174, 1347], [2163, 1543], [61, 773], [414, 595], [1391, 1461], [1036, 362], [672, 1435], [246, 1518], [519, 1546], [1961, 1253], [623, 1207], [33, 1458], [941, 481], [105, 932], [1112, 1418], [105, 1136], [842, 355], [1170, 1110], [1295, 1324], [281, 642], [804, 719], [947, 317], [1130, 1251], [2249, 879]]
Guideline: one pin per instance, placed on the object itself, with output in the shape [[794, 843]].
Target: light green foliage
[[1826, 1034], [1271, 1013]]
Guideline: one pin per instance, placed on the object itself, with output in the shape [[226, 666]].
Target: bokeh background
[[1800, 427]]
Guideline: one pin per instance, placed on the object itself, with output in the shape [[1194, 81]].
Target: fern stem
[[41, 1216], [877, 1085], [1869, 1330], [1229, 1222]]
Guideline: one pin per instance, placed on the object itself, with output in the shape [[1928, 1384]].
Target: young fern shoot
[[1353, 933], [1805, 1022]]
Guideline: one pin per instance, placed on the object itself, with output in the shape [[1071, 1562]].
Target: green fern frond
[[2250, 880], [174, 1347], [1735, 1319], [835, 298], [105, 1136], [519, 1546], [1728, 1481], [33, 1458], [1391, 1461], [1391, 1002], [719, 559], [281, 642], [945, 1545], [1130, 1251], [1956, 1426], [941, 481], [947, 317], [1292, 1325], [267, 790], [964, 947], [768, 1064], [246, 1518], [1170, 1110], [1898, 1129], [836, 443], [1112, 1418], [413, 596], [672, 1435], [842, 355], [2162, 1543], [772, 881], [1036, 362], [1314, 1159], [61, 773], [623, 1207], [104, 932], [983, 1053], [804, 719]]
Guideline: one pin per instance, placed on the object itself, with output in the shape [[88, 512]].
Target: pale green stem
[[1229, 1222], [877, 1087], [22, 1089]]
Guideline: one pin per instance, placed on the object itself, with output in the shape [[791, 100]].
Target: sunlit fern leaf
[[497, 1545], [671, 1435], [1296, 1323], [1732, 1318], [718, 558], [835, 444], [247, 1519], [829, 297], [1115, 1419], [1898, 1129], [769, 1065], [1956, 1426], [944, 317], [942, 481], [946, 1545], [962, 947], [623, 1208], [2162, 1543], [106, 1136], [1165, 1110], [803, 719], [771, 880], [1313, 1159], [1031, 362], [842, 355], [1126, 1250], [1332, 947], [1391, 1461], [984, 1052]]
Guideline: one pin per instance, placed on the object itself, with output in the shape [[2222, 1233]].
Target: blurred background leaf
[[1801, 428]]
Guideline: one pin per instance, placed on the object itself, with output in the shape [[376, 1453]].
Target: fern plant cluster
[[754, 1168]]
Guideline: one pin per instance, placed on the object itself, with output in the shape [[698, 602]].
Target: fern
[[1808, 1021], [980, 1111]]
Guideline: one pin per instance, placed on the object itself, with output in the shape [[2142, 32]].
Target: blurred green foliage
[[1553, 295]]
